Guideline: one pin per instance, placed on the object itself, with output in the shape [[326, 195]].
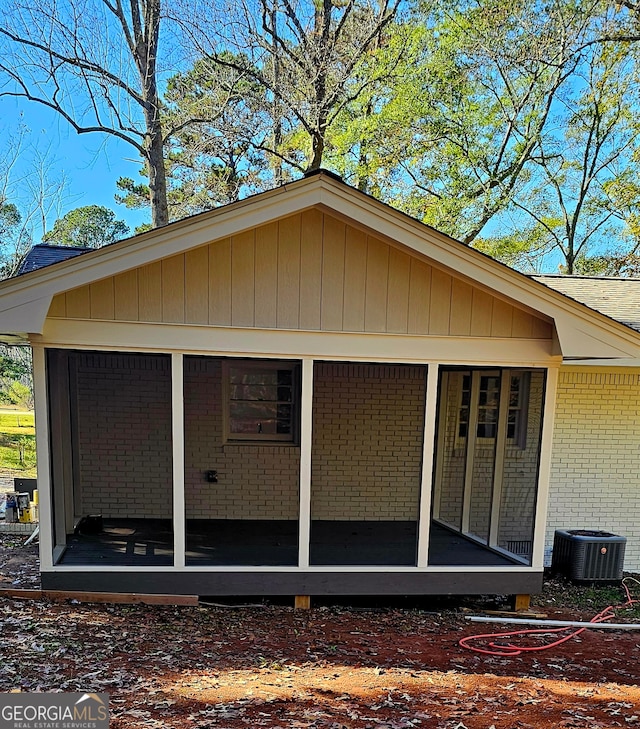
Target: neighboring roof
[[582, 333], [618, 298], [43, 255]]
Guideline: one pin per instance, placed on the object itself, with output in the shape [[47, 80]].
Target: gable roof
[[581, 332], [618, 298], [43, 255]]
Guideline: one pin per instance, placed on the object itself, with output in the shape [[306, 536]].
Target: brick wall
[[595, 471], [124, 434], [367, 441], [254, 481]]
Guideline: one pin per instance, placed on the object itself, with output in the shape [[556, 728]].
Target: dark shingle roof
[[617, 298], [45, 255]]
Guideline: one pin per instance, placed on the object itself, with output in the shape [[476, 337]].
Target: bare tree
[[303, 53], [94, 62]]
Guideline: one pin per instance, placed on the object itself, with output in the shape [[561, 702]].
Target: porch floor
[[146, 542]]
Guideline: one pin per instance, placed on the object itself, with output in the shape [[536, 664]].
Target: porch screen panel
[[452, 445], [368, 424], [242, 460], [122, 460], [521, 462], [484, 389]]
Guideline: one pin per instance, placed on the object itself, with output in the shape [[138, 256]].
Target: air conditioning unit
[[586, 556]]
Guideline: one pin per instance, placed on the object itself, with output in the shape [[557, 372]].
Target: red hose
[[509, 649]]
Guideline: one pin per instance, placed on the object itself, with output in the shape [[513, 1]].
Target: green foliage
[[91, 226]]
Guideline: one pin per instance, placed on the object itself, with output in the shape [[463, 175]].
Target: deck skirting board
[[297, 583]]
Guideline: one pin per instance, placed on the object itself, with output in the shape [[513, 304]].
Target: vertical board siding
[[173, 270], [419, 299], [79, 303], [375, 306], [461, 301], [58, 307], [243, 279], [102, 299], [196, 282], [440, 306], [481, 313], [355, 280], [125, 291], [307, 271], [220, 282], [150, 292], [289, 273], [398, 292], [332, 274], [311, 236], [267, 276]]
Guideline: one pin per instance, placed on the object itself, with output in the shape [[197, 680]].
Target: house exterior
[[595, 467], [305, 392]]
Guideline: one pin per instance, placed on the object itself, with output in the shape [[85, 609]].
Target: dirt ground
[[346, 665]]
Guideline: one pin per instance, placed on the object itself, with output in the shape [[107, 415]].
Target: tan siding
[[375, 307], [102, 299], [289, 273], [79, 303], [150, 292], [541, 329], [173, 289], [502, 320], [481, 313], [220, 282], [58, 306], [398, 292], [522, 324], [243, 279], [440, 308], [311, 269], [333, 274], [461, 300], [267, 276], [308, 271], [355, 280], [196, 278], [125, 289], [419, 298]]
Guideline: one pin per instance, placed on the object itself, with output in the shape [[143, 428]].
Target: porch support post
[[544, 472], [44, 463], [304, 513], [428, 445], [177, 439]]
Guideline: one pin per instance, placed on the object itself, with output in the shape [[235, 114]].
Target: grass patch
[[18, 443], [18, 421]]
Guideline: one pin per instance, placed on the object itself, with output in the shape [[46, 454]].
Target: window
[[487, 402], [261, 400]]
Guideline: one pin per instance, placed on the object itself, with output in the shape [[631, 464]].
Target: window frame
[[519, 438], [262, 365]]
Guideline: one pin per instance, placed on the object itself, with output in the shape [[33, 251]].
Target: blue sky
[[91, 163]]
